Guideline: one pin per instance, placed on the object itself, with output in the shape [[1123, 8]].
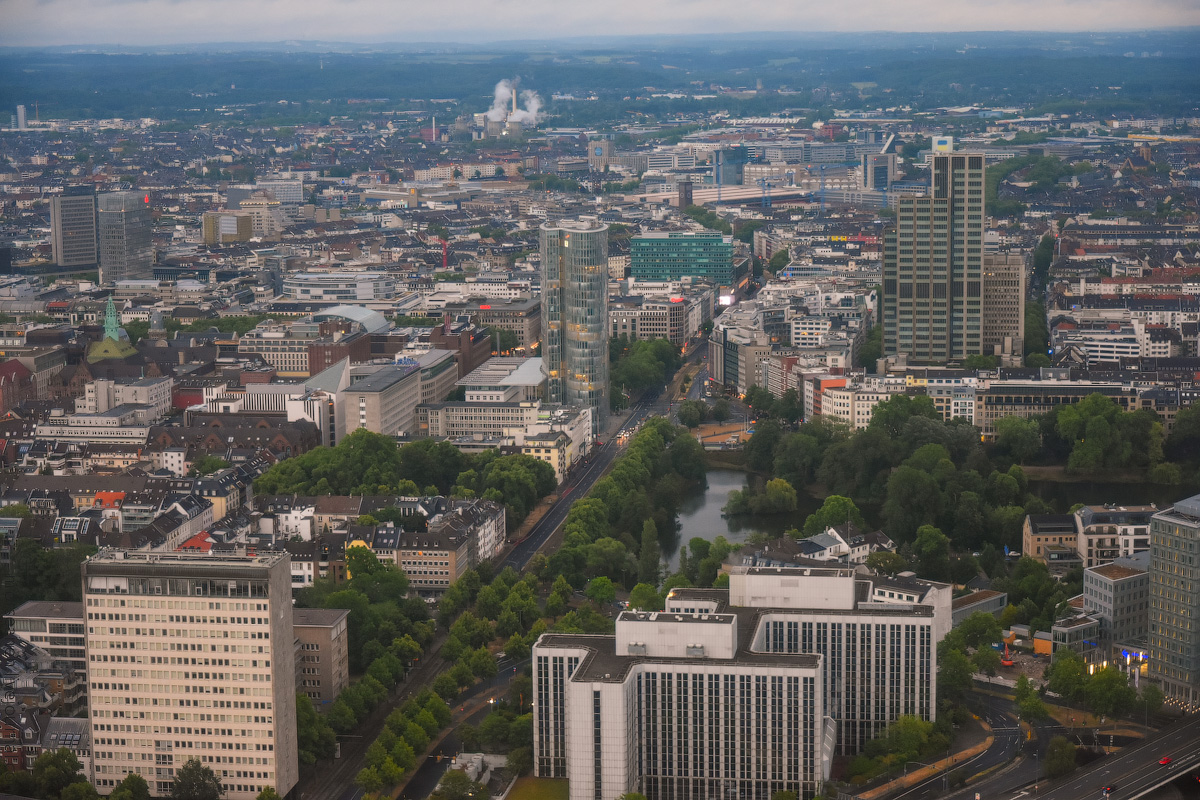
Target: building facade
[[1004, 304], [208, 643], [73, 227], [672, 255], [1175, 601], [731, 693], [575, 315], [933, 266], [323, 653], [124, 234]]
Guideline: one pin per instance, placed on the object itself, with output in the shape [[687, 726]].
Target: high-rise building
[[191, 656], [685, 194], [22, 119], [225, 227], [933, 266], [672, 255], [734, 693], [126, 246], [878, 171], [1004, 304], [575, 315], [1175, 601], [73, 227]]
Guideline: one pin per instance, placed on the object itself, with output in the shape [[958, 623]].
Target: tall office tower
[[685, 194], [671, 255], [126, 247], [22, 119], [1004, 304], [191, 657], [879, 170], [575, 315], [73, 227], [933, 266], [1175, 601]]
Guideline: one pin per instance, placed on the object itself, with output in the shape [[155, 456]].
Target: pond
[[700, 514]]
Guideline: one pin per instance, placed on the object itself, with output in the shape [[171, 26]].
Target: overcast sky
[[151, 22]]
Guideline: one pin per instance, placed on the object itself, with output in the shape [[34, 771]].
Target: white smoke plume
[[502, 104]]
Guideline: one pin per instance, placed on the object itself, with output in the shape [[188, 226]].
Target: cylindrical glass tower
[[575, 315]]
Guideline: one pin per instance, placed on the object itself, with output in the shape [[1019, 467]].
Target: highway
[[1134, 771]]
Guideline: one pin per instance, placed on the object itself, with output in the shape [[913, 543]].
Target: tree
[[1109, 694], [1019, 437], [955, 676], [208, 464], [1060, 757], [649, 556], [315, 738], [268, 793], [520, 760], [644, 597], [194, 781], [836, 510], [986, 661], [721, 410], [601, 591], [80, 790], [932, 549], [692, 413], [55, 770], [1067, 675], [455, 785], [132, 787], [785, 796], [886, 562]]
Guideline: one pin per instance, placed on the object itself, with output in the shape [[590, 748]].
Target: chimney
[[514, 96]]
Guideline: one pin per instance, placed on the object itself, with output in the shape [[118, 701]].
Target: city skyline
[[167, 22]]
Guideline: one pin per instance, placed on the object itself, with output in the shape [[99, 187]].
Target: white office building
[[739, 693]]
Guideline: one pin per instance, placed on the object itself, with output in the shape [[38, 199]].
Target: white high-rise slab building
[[739, 693], [191, 657]]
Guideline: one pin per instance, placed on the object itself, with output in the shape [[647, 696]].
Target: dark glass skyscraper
[[575, 315], [933, 266], [126, 246]]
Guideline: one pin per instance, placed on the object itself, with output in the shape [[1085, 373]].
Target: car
[[1108, 789], [1165, 760]]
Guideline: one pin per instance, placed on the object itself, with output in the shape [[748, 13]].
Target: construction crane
[[766, 191]]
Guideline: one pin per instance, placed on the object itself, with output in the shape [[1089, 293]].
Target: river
[[700, 514]]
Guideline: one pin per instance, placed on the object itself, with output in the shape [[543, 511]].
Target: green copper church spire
[[112, 325]]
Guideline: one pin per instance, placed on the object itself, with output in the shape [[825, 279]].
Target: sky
[[165, 22]]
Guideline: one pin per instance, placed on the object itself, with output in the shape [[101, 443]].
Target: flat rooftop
[[506, 371]]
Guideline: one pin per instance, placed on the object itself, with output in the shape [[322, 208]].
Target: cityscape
[[659, 409]]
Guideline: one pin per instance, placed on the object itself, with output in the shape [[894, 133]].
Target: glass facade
[[575, 315], [677, 254], [126, 246]]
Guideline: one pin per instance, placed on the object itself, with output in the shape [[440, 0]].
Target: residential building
[[984, 601], [672, 255], [323, 658], [1175, 601], [575, 315], [1041, 530], [238, 716], [761, 683], [54, 626], [1106, 533], [123, 231], [933, 266], [73, 227]]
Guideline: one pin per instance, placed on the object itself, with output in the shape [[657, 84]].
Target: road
[[1135, 771], [581, 481]]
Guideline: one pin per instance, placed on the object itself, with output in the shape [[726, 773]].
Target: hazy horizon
[[164, 23]]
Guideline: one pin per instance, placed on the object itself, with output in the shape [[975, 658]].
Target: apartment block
[[191, 657], [322, 653]]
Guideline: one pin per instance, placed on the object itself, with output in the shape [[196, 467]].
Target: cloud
[[155, 22]]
